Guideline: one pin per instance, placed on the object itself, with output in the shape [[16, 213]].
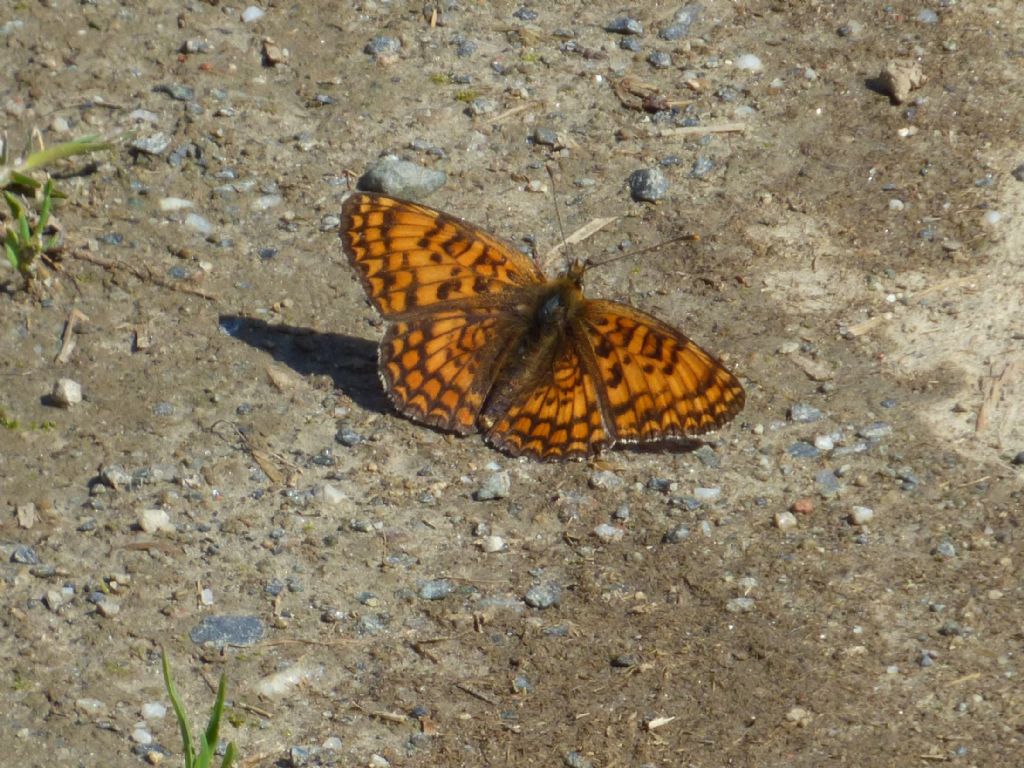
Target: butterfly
[[478, 340]]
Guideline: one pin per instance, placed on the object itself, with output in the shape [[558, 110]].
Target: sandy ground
[[856, 256]]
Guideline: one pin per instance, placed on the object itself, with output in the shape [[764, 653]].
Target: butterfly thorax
[[558, 302]]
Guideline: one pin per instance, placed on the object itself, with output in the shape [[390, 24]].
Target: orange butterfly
[[478, 339]]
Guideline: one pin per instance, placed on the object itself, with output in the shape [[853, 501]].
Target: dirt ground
[[856, 256]]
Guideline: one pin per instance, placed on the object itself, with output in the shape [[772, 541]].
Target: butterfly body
[[479, 340]]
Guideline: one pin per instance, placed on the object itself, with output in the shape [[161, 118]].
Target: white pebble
[[750, 62], [67, 392], [333, 495], [89, 706], [740, 605], [199, 224], [861, 515], [785, 521], [142, 736], [824, 443], [608, 533], [896, 204], [991, 218], [206, 596], [251, 14], [800, 716], [153, 710], [284, 681], [707, 494], [154, 520], [171, 204], [492, 544], [265, 202], [379, 761], [332, 743]]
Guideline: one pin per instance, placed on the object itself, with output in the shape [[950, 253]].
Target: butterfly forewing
[[656, 383], [411, 258]]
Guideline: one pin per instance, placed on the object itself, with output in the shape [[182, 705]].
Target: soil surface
[[832, 579]]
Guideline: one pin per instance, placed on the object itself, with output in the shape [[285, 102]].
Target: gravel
[[401, 178], [648, 185]]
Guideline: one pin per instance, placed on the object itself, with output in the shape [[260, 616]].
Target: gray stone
[[401, 178]]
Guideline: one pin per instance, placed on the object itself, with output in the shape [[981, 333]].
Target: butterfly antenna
[[558, 217], [689, 237]]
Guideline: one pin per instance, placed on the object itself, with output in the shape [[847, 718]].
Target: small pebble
[[928, 16], [576, 760], [497, 485], [802, 413], [707, 495], [785, 521], [899, 78], [436, 589], [219, 631], [861, 515], [177, 91], [546, 136], [153, 710], [1018, 172], [802, 450], [681, 22], [283, 682], [945, 549], [384, 48], [401, 178], [701, 167], [850, 29], [252, 13], [631, 44], [492, 544], [1018, 460], [827, 483], [625, 660], [750, 63], [676, 535], [648, 185], [543, 596], [605, 480], [199, 224], [333, 495], [24, 555], [53, 599], [155, 521], [824, 443], [141, 736], [155, 144], [172, 204], [623, 25], [609, 533], [659, 60], [740, 605], [525, 14], [66, 392], [875, 431], [799, 716]]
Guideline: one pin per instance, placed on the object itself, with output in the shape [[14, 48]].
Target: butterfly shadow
[[351, 362], [671, 445]]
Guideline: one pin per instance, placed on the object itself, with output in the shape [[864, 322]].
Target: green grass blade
[[44, 209], [213, 727], [12, 255], [179, 711], [17, 209], [229, 755], [24, 231], [45, 157]]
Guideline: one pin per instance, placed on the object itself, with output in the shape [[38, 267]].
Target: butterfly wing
[[439, 367], [654, 382], [547, 407], [412, 258]]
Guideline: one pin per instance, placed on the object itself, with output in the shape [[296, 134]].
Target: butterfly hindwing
[[439, 367]]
